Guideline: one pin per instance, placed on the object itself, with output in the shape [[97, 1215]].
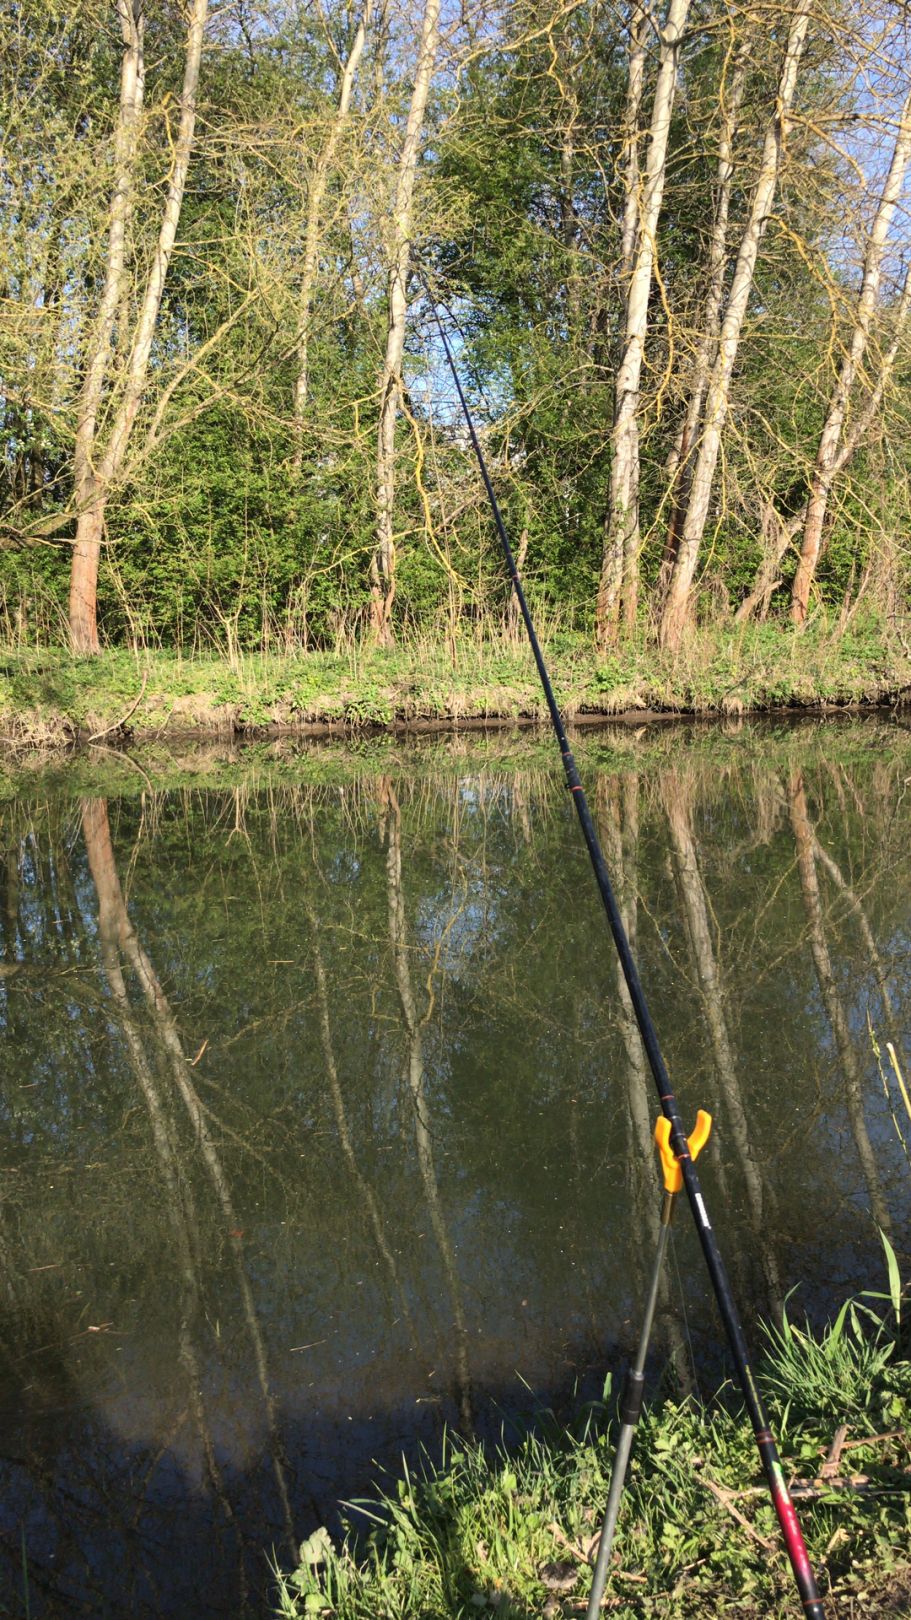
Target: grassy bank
[[47, 697], [513, 1533]]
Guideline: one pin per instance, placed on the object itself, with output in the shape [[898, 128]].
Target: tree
[[382, 567], [622, 540], [825, 467], [119, 349], [676, 607], [315, 197]]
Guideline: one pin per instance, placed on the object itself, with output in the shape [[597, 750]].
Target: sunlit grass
[[484, 673], [514, 1532]]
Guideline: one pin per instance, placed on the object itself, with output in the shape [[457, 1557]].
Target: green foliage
[[48, 695], [230, 529], [491, 1533]]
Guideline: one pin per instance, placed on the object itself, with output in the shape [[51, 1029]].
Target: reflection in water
[[423, 1123], [327, 1122], [119, 941], [617, 810], [677, 796], [807, 845]]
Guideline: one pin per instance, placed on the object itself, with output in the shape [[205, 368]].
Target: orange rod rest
[[670, 1164]]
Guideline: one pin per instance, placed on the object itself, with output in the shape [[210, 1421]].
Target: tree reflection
[[676, 794], [807, 845], [423, 1096], [120, 944], [414, 1027]]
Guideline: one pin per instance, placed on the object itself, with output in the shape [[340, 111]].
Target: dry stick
[[117, 724], [768, 1451], [724, 1497]]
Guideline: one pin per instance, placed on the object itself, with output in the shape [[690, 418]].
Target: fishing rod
[[765, 1440]]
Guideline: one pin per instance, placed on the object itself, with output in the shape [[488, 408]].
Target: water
[[325, 1123]]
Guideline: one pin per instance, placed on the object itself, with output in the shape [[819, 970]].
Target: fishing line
[[765, 1442]]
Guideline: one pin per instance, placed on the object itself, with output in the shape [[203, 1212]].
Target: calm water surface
[[325, 1123]]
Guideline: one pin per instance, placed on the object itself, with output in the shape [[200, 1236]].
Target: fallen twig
[[724, 1496], [119, 724]]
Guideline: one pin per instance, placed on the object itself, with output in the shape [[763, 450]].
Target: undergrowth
[[514, 1532], [49, 696]]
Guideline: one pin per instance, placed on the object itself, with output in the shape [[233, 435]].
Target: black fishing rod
[[765, 1441]]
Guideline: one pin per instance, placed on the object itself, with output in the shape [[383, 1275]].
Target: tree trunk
[[382, 567], [83, 609], [680, 462], [95, 467], [116, 928], [674, 615], [824, 470], [767, 579], [617, 813], [89, 508], [315, 198], [621, 545]]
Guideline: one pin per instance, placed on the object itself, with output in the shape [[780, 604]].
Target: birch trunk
[[113, 923], [315, 199], [680, 462], [621, 546], [824, 470], [767, 577], [96, 465], [366, 1191], [676, 607], [90, 513], [628, 244], [638, 30], [382, 567]]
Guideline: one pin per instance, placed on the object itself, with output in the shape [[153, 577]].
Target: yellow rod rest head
[[670, 1164]]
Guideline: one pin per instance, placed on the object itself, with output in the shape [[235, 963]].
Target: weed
[[46, 694], [515, 1532]]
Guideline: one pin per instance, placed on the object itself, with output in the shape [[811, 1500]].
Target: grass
[[49, 697], [513, 1532]]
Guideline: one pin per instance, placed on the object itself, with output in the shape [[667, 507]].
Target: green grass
[[49, 697], [511, 1533]]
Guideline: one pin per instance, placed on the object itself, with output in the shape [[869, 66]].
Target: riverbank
[[514, 1533], [49, 698]]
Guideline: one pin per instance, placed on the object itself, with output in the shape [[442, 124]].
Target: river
[[326, 1124]]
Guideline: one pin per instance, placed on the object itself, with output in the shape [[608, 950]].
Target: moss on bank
[[49, 697], [513, 1533]]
